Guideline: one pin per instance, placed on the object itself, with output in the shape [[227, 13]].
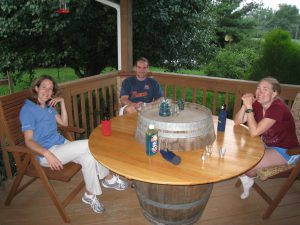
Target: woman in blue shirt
[[39, 121]]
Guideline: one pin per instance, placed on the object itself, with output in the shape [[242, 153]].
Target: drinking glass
[[222, 152], [209, 149]]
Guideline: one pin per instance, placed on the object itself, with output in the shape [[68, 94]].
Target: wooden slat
[[83, 113], [184, 93], [75, 111], [204, 97], [111, 100], [91, 109], [194, 98], [97, 105], [215, 93]]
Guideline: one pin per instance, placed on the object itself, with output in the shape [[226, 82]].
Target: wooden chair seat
[[70, 169], [272, 172]]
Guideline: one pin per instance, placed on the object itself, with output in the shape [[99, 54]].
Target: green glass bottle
[[151, 140]]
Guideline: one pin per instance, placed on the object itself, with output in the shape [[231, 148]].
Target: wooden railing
[[212, 91], [87, 97]]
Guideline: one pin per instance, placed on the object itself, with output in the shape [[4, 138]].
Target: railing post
[[10, 82]]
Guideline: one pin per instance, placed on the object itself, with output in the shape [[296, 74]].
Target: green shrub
[[280, 58], [234, 61]]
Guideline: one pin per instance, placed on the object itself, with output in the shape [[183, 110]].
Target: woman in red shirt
[[269, 117]]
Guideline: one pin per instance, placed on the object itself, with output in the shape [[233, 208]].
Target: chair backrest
[[11, 134], [295, 110]]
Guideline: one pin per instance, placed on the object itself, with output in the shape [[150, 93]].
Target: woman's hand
[[53, 102], [53, 161], [248, 100]]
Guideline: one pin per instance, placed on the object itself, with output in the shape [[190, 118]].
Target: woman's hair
[[37, 83], [274, 83]]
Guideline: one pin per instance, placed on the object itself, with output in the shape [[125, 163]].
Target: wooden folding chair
[[27, 164], [290, 172]]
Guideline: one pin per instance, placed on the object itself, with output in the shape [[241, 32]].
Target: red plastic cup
[[106, 127]]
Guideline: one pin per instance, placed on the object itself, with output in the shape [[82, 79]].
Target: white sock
[[247, 183], [88, 196], [112, 180]]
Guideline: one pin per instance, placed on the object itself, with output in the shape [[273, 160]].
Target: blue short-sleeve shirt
[[147, 90], [42, 122]]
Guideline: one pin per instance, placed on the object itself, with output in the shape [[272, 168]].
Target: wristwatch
[[249, 110]]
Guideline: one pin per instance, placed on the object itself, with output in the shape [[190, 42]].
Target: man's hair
[[274, 83], [37, 83], [142, 59]]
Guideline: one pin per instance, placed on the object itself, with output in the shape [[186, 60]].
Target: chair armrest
[[65, 130], [71, 129], [19, 149], [293, 151]]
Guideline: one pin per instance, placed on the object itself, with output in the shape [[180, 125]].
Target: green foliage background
[[280, 58], [234, 61]]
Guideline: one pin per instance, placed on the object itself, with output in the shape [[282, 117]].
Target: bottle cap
[[151, 126]]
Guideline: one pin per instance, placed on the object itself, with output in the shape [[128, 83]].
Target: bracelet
[[249, 111]]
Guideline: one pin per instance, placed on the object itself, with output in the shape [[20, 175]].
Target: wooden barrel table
[[187, 130], [169, 194]]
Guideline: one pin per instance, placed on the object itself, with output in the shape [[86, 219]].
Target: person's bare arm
[[125, 101], [257, 129], [54, 162], [62, 118], [241, 116]]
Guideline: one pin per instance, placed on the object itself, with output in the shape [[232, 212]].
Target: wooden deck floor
[[34, 207]]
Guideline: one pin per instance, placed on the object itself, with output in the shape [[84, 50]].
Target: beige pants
[[79, 152]]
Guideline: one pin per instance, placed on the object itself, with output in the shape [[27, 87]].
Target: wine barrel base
[[172, 204]]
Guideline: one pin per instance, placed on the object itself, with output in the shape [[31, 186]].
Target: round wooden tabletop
[[124, 155]]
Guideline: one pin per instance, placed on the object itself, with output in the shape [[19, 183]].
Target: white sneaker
[[117, 183], [93, 201], [247, 183]]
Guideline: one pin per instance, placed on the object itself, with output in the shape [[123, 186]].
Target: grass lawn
[[66, 74], [60, 75]]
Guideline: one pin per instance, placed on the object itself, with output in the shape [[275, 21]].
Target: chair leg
[[262, 193], [73, 194], [50, 191], [281, 193], [14, 189], [238, 183]]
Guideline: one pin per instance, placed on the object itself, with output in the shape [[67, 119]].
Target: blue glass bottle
[[222, 118]]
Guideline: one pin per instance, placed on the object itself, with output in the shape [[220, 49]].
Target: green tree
[[234, 61], [280, 58], [233, 22], [170, 33], [286, 18], [33, 35], [173, 33], [262, 17]]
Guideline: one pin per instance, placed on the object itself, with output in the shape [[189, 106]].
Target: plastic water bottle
[[151, 140], [222, 118]]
